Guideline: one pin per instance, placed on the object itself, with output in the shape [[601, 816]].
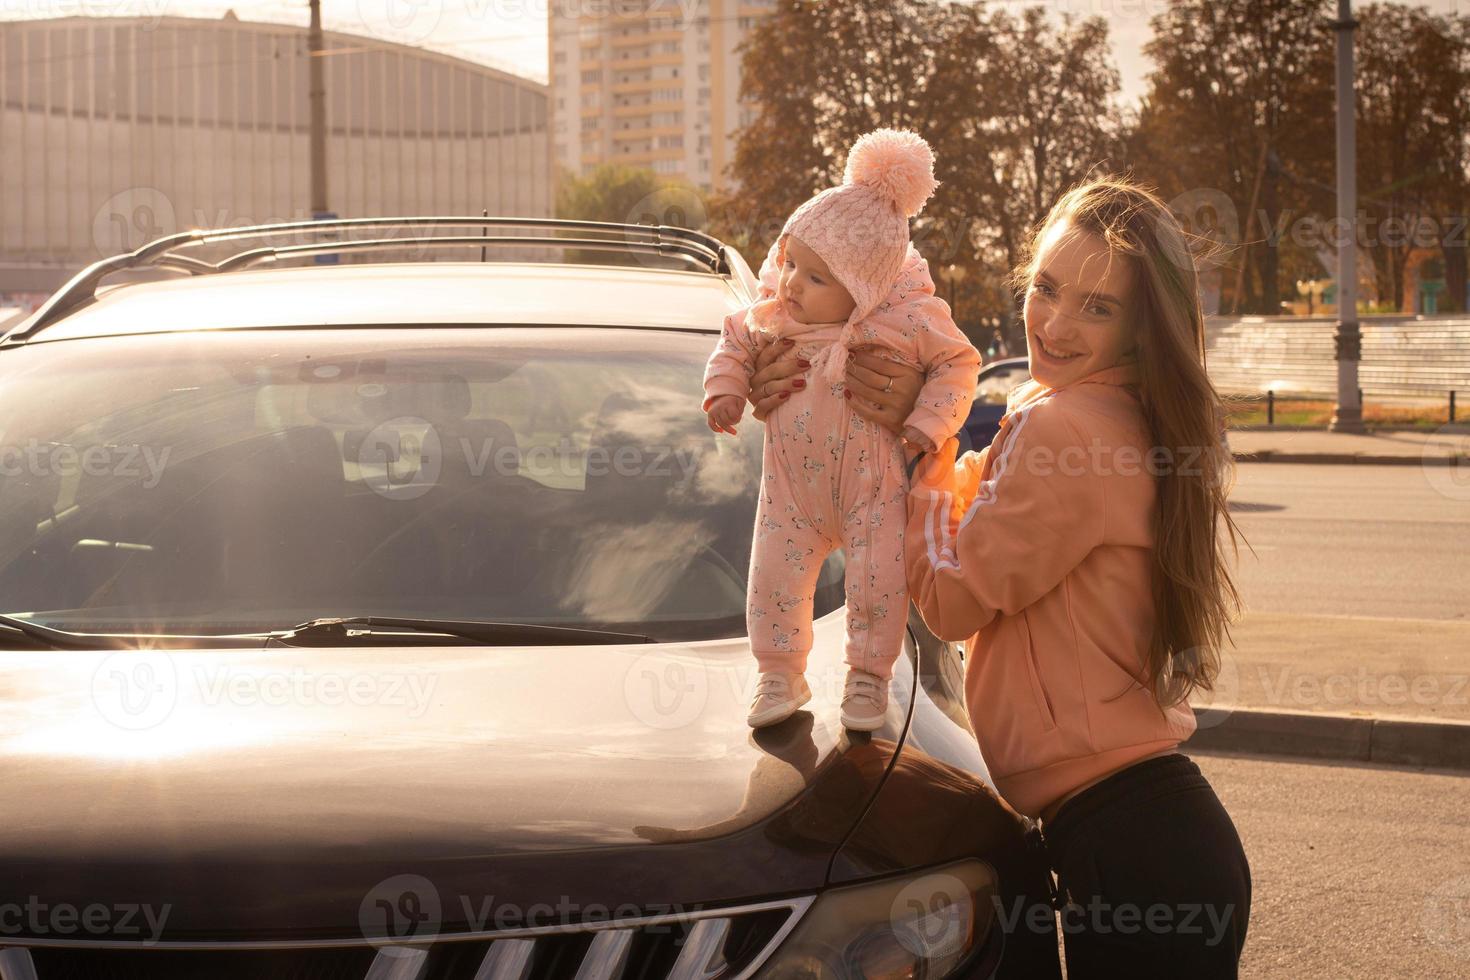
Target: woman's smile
[[1054, 354]]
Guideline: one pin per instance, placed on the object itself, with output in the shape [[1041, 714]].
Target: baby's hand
[[724, 412], [913, 435]]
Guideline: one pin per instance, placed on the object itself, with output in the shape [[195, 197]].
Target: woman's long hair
[[1195, 597]]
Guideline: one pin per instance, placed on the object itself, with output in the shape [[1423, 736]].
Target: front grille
[[284, 964], [719, 944]]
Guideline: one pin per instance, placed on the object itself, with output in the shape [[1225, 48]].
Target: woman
[[1079, 556]]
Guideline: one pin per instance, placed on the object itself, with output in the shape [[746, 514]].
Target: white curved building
[[115, 130]]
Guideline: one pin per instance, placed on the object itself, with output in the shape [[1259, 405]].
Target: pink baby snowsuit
[[832, 479]]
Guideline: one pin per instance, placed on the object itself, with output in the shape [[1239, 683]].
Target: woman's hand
[[874, 396], [775, 378]]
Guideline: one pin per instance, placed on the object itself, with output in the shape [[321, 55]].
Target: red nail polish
[[788, 341], [804, 363], [785, 394], [846, 393], [799, 382]]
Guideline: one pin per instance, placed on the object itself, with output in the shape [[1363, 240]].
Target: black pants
[[1151, 875]]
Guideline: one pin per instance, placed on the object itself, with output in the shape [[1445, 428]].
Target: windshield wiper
[[346, 631], [56, 639]]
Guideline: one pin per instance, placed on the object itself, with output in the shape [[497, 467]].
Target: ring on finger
[[888, 387]]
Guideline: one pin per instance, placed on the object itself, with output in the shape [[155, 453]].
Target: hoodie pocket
[[1033, 669]]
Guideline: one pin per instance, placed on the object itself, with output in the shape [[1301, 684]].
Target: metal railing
[[173, 252], [1406, 359]]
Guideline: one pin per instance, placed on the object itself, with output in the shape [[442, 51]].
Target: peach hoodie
[[1037, 551]]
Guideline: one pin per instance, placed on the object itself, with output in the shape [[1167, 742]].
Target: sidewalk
[[1448, 445], [1360, 689]]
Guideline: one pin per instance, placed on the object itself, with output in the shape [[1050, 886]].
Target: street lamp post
[[1311, 291], [1348, 341], [317, 104]]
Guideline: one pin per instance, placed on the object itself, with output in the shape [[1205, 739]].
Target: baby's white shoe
[[864, 701], [777, 697]]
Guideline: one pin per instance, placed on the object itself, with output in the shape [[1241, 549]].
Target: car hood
[[284, 792]]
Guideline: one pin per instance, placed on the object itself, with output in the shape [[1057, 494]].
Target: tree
[[1234, 116], [1055, 118], [1009, 127], [1413, 116], [819, 74], [627, 195]]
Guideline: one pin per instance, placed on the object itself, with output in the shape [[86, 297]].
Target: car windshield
[[248, 480], [996, 386]]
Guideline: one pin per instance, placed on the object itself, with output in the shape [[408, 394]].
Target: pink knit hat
[[861, 228]]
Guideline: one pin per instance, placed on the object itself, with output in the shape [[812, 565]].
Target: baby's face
[[810, 292]]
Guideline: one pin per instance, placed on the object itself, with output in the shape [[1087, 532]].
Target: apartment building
[[649, 83]]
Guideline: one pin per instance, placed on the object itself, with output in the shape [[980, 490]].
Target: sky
[[511, 34]]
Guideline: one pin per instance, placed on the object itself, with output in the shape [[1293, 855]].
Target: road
[[1350, 540], [1356, 870], [1358, 596]]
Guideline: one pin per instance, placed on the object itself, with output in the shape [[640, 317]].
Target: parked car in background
[[996, 381], [386, 620]]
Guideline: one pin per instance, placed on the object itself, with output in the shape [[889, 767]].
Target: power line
[[207, 38], [584, 32], [547, 32]]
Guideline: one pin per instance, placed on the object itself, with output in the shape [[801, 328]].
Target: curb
[[1457, 428], [1354, 738], [1274, 456]]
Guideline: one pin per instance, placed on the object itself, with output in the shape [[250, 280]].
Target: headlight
[[916, 927]]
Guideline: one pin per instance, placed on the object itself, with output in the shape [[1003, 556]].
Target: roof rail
[[703, 252]]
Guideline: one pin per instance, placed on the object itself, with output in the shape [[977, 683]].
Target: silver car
[[386, 619]]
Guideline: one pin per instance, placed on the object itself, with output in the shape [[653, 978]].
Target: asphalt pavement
[[1355, 642], [1448, 444], [1356, 870]]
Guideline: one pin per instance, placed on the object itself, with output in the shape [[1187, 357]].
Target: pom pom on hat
[[896, 163]]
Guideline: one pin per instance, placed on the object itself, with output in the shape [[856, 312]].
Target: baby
[[843, 273]]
